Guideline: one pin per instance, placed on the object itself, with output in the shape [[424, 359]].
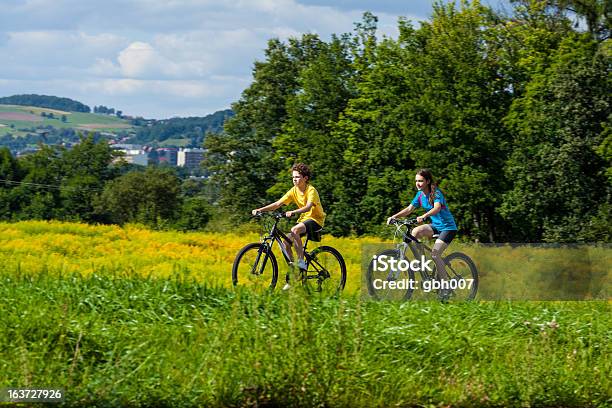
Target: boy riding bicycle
[[312, 217]]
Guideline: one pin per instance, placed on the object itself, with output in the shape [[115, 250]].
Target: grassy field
[[128, 316], [175, 142], [26, 117]]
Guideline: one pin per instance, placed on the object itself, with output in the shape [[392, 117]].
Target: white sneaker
[[301, 264], [287, 286]]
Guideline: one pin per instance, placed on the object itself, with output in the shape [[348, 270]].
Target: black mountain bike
[[256, 266], [391, 273]]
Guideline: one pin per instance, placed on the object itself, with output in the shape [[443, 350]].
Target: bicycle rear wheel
[[326, 273], [462, 276], [255, 267]]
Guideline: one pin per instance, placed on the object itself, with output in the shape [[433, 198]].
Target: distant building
[[190, 158], [27, 151], [126, 146], [136, 157], [167, 155], [133, 154]]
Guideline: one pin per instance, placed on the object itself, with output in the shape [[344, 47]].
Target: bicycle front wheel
[[326, 272], [462, 275], [389, 281], [255, 267]]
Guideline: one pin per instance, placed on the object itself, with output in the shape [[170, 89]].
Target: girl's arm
[[406, 211], [436, 209]]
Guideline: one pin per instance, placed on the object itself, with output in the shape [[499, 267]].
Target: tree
[[194, 214], [560, 123], [242, 160], [10, 174], [150, 197], [85, 170]]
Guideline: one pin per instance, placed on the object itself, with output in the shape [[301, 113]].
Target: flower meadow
[[126, 316]]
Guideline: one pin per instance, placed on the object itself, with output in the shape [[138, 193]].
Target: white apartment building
[[190, 158]]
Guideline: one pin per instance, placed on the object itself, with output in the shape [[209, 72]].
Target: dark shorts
[[313, 230], [446, 236]]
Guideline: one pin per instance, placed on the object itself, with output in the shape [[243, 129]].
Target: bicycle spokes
[[326, 272], [255, 267]]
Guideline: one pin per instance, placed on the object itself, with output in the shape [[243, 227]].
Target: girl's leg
[[423, 231], [436, 255], [443, 241]]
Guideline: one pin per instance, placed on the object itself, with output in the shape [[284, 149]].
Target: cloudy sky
[[164, 58]]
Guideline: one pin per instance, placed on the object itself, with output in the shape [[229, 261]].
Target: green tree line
[[511, 112], [193, 128], [46, 101], [88, 184]]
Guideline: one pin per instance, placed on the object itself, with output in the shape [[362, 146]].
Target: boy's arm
[[269, 207], [304, 209]]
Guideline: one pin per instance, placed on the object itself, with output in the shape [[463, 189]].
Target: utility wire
[[50, 186]]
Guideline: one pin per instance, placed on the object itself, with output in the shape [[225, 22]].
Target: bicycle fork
[[258, 268]]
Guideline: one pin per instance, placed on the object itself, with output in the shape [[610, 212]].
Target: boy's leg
[[288, 245], [296, 231]]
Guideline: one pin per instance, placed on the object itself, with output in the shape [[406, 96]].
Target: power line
[[49, 186]]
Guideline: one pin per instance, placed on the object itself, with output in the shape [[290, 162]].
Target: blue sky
[[164, 58]]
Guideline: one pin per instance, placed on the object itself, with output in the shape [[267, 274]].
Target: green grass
[[182, 142], [133, 317], [73, 120], [112, 341]]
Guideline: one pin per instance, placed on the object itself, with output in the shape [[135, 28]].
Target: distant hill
[[192, 128], [19, 121], [46, 101]]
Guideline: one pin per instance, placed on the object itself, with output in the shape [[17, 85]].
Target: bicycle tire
[[326, 272], [384, 292], [459, 267], [254, 266]]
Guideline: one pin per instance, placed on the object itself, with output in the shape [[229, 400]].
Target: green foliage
[[116, 340], [559, 124], [82, 184], [45, 101], [508, 112], [195, 214], [150, 197], [193, 129]]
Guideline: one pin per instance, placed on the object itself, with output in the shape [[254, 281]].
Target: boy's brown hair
[[303, 169]]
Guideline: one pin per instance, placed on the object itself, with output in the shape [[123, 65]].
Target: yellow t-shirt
[[316, 212]]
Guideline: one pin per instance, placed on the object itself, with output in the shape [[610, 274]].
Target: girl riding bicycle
[[312, 217], [430, 198]]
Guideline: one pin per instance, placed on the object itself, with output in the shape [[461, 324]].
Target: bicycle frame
[[276, 235], [416, 247]]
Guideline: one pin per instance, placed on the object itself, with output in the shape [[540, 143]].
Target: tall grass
[[110, 341], [139, 318]]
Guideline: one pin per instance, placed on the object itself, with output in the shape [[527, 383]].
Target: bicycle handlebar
[[275, 215], [411, 221]]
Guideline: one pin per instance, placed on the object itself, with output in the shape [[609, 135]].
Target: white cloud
[[148, 57]]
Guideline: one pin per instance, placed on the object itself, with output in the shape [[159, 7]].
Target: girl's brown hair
[[433, 186]]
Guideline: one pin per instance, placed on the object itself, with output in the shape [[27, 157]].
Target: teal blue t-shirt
[[442, 221]]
